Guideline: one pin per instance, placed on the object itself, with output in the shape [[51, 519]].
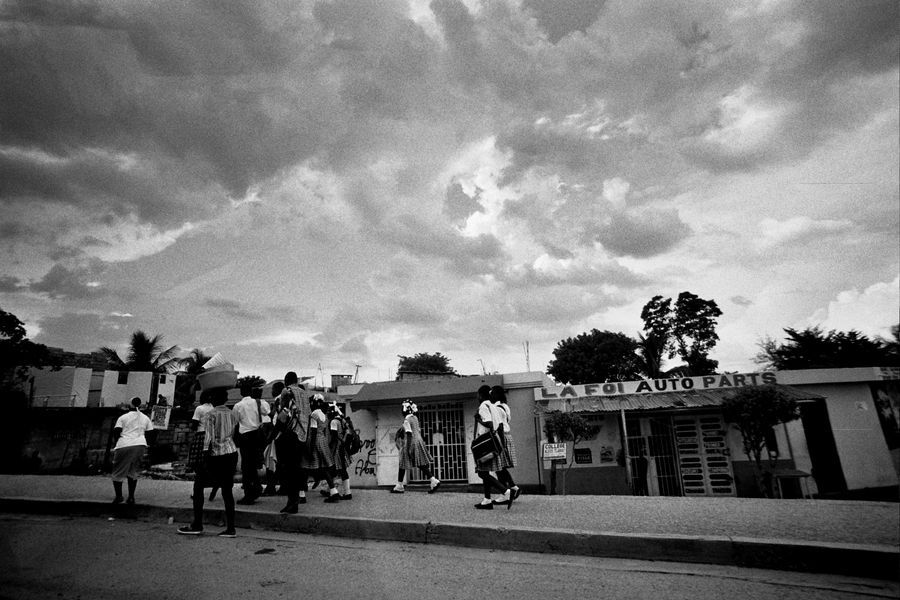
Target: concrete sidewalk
[[848, 537]]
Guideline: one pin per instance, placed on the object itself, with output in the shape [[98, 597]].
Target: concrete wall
[[865, 458], [68, 387], [603, 475], [364, 472], [139, 384]]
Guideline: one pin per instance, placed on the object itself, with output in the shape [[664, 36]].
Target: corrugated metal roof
[[661, 400], [395, 392]]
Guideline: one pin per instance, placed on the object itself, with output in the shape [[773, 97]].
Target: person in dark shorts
[[219, 463]]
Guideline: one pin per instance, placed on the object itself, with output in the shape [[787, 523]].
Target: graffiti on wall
[[368, 461]]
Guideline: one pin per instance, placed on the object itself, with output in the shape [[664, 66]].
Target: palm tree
[[188, 368], [144, 354], [650, 352]]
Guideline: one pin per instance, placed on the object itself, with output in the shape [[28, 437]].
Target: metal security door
[[704, 456], [445, 436], [654, 459]]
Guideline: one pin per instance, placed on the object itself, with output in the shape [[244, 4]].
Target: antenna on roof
[[356, 374], [483, 371], [527, 356]]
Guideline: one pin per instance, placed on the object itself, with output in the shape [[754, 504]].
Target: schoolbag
[[352, 442]]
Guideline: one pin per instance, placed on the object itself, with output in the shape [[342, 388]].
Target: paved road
[[99, 558]]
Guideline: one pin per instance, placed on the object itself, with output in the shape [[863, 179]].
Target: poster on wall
[[159, 416]]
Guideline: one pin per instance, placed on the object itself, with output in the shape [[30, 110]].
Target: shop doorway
[[653, 456], [445, 436], [823, 454]]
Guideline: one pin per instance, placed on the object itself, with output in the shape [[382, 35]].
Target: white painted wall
[[863, 451], [138, 385]]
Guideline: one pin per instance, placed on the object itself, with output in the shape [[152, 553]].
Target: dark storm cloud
[[559, 18], [62, 282], [186, 93], [10, 284], [819, 81], [458, 205], [468, 256], [71, 330], [643, 234]]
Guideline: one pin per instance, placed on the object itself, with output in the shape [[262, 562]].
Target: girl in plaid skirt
[[413, 451], [508, 456], [321, 456], [487, 419]]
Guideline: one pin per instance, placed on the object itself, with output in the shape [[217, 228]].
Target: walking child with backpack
[[342, 444]]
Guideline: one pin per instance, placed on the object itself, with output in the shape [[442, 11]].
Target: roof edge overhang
[[422, 391]]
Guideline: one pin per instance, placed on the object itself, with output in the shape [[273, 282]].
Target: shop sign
[[555, 451], [583, 456], [649, 386]]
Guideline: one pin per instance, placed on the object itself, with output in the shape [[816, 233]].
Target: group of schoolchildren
[[299, 438]]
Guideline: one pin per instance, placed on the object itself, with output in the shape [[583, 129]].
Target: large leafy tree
[[17, 352], [813, 348], [595, 357], [754, 411], [688, 327], [248, 382], [424, 362], [145, 353]]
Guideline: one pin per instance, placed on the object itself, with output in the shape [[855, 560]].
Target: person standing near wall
[[488, 419], [338, 427], [131, 444], [250, 412], [292, 427], [413, 451], [320, 457], [219, 464], [270, 454], [509, 456], [195, 450]]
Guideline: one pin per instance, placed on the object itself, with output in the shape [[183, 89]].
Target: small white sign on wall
[[555, 451]]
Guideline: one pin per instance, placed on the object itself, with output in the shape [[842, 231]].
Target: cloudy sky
[[303, 185]]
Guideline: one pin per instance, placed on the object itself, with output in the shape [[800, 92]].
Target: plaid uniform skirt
[[509, 457], [421, 456], [195, 451], [341, 458], [319, 455]]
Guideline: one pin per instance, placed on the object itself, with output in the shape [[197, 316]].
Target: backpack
[[352, 442]]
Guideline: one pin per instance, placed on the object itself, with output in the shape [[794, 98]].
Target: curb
[[856, 560]]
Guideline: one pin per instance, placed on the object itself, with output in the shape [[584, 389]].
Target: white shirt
[[133, 425], [503, 412], [247, 413], [488, 412], [201, 411]]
